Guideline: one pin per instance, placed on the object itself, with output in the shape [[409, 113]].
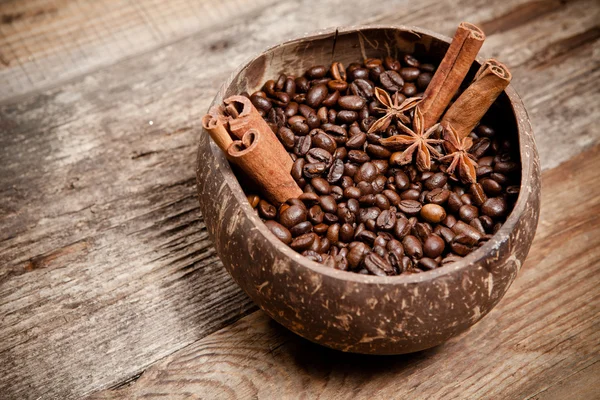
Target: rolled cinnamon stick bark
[[254, 154], [214, 123], [243, 116], [466, 112], [446, 81]]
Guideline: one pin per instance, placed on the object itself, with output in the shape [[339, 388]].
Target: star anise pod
[[392, 109], [458, 151], [416, 140]]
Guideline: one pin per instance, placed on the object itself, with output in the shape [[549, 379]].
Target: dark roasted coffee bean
[[297, 202], [391, 81], [446, 233], [357, 141], [301, 228], [346, 233], [449, 221], [382, 202], [392, 196], [330, 218], [500, 178], [381, 240], [333, 233], [328, 204], [401, 180], [322, 140], [300, 127], [410, 207], [411, 194], [315, 215], [352, 102], [365, 188], [292, 215], [362, 88], [313, 170], [347, 182], [280, 231], [357, 254], [485, 131], [337, 85], [478, 194], [337, 193], [433, 246], [366, 236], [302, 84], [309, 198], [338, 71], [454, 202], [353, 206], [358, 157], [379, 250], [386, 220], [352, 192], [345, 216], [468, 212], [377, 265], [476, 223], [513, 191], [412, 246], [289, 86], [302, 145], [494, 207], [266, 210], [366, 172], [409, 74], [422, 231], [260, 102], [346, 116], [484, 170], [436, 180], [411, 61], [427, 264], [480, 147], [286, 136], [331, 100], [460, 249], [391, 63], [505, 167], [377, 151], [280, 99], [461, 228], [367, 200], [335, 171], [437, 196], [423, 80], [316, 95], [318, 155], [409, 90], [316, 72], [303, 242], [402, 228], [358, 73], [340, 153]]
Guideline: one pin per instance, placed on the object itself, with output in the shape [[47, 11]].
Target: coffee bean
[[313, 170], [336, 171], [460, 249], [461, 228], [377, 265], [346, 116], [412, 246], [358, 157], [333, 233], [402, 228], [330, 218], [316, 95], [309, 198], [315, 215], [328, 204], [401, 180], [292, 215], [253, 200], [436, 180], [280, 231], [433, 246], [346, 233], [411, 61], [409, 74], [391, 81], [391, 63], [382, 202], [409, 90], [366, 214], [454, 202], [423, 80], [316, 72], [266, 210], [392, 196], [433, 213], [340, 153], [357, 254], [337, 85], [303, 242], [345, 215], [427, 264], [494, 207], [318, 155], [476, 223], [353, 102], [468, 212], [366, 172], [386, 220], [358, 73], [362, 88], [357, 141], [446, 233], [437, 196], [410, 207], [478, 194], [377, 151]]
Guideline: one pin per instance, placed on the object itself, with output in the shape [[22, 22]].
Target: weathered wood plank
[[43, 43], [545, 329], [106, 267]]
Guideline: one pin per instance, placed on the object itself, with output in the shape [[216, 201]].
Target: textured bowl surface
[[343, 310]]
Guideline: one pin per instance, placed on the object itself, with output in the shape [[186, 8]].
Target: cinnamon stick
[[466, 112], [214, 123], [254, 154], [243, 116], [452, 71]]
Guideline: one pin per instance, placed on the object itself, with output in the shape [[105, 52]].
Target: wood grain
[[106, 266], [45, 42], [546, 327]]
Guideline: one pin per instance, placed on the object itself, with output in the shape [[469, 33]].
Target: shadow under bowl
[[345, 310]]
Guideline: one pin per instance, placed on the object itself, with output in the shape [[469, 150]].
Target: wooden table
[[109, 286]]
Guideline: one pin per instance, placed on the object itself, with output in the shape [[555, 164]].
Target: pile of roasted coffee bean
[[359, 213]]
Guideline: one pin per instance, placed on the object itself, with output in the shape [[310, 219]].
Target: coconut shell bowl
[[345, 310]]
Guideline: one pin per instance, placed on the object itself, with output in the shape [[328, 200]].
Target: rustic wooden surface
[[109, 286]]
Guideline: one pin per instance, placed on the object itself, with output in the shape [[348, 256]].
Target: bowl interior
[[354, 45]]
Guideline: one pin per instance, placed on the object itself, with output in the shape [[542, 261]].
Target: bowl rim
[[476, 257]]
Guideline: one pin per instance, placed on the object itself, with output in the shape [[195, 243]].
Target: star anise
[[392, 109], [458, 151], [417, 139]]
